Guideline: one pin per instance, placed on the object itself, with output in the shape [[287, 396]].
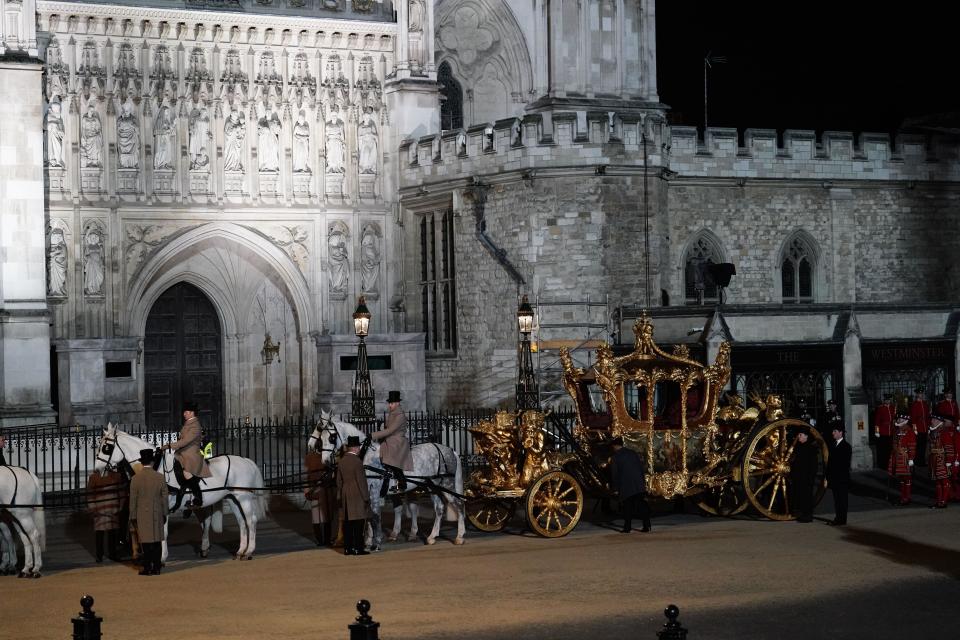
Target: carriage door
[[182, 359]]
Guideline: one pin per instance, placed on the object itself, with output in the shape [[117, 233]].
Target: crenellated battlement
[[614, 144]]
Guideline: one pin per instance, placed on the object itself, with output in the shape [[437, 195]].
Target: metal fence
[[64, 457]]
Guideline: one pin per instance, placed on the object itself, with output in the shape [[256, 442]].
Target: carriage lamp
[[361, 319], [270, 350], [528, 392], [362, 396]]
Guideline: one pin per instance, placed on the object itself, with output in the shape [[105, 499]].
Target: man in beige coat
[[354, 498], [148, 511], [394, 445], [189, 455]]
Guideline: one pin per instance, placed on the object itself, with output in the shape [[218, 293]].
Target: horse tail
[[452, 513], [216, 519], [260, 504]]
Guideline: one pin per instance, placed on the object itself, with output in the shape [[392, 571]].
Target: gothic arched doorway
[[182, 359]]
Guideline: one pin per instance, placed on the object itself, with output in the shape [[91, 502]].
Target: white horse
[[235, 481], [20, 487], [432, 464]]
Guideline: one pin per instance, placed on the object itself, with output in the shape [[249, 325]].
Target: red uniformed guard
[[883, 419], [920, 417], [901, 461], [937, 459], [948, 437], [948, 408]]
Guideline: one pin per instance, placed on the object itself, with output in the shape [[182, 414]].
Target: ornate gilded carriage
[[666, 406]]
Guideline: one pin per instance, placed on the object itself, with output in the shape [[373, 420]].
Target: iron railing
[[63, 457]]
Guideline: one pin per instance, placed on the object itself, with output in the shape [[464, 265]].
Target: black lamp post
[[528, 394], [362, 396]]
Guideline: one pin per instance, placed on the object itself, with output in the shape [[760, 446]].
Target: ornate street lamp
[[528, 393], [362, 396]]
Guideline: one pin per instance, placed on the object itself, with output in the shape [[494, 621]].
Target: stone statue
[[234, 131], [93, 262], [57, 265], [369, 259], [128, 137], [55, 135], [199, 137], [301, 144], [335, 147], [91, 138], [339, 261], [416, 16], [165, 138], [268, 141], [415, 21], [367, 135]]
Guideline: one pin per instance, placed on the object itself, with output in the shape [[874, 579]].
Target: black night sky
[[840, 65]]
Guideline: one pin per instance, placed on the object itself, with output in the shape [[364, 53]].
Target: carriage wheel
[[766, 467], [489, 514], [554, 504], [726, 499]]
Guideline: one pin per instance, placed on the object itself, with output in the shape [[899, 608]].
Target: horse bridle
[[107, 446], [333, 438]]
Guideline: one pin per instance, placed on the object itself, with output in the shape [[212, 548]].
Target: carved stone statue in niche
[[339, 261], [369, 259], [268, 140], [199, 137], [128, 137], [416, 18], [367, 135], [55, 135], [335, 147], [234, 130], [165, 138], [91, 138], [301, 144], [93, 261], [57, 264]]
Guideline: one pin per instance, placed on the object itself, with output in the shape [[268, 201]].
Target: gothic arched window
[[699, 288], [797, 269], [451, 99]]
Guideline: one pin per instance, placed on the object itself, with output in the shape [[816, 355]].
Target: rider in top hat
[[394, 445], [189, 455]]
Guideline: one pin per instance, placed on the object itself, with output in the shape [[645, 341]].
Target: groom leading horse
[[188, 454]]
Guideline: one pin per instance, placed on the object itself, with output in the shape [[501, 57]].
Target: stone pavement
[[893, 573]]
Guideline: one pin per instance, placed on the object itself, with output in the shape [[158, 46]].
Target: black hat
[[831, 401], [353, 441], [920, 389], [617, 442], [190, 405], [393, 396], [888, 396], [940, 417], [146, 456]]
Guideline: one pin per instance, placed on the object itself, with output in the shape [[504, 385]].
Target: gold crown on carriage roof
[[693, 387]]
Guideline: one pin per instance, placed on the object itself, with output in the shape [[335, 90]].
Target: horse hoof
[[375, 549], [412, 538], [458, 541], [203, 554], [431, 540], [391, 538], [35, 574]]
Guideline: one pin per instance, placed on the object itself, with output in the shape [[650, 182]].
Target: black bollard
[[364, 628], [86, 626], [672, 630]]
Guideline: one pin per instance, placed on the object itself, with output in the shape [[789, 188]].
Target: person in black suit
[[838, 474], [630, 483], [803, 472]]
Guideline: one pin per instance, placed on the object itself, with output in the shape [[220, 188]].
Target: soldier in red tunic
[[949, 439], [948, 408], [883, 419], [937, 460], [920, 417], [901, 461]]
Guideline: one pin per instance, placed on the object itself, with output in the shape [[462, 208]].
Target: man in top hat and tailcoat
[[937, 461], [838, 473], [920, 417], [148, 511], [354, 496], [900, 465], [189, 454], [883, 418], [394, 445]]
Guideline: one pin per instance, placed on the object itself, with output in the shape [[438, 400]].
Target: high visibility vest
[[207, 450]]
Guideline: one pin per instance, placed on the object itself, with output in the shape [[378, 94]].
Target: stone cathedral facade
[[199, 181]]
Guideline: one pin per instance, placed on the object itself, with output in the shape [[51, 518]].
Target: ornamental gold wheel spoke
[[773, 494], [554, 504]]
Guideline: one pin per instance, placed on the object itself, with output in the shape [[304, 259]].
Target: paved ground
[[893, 573]]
